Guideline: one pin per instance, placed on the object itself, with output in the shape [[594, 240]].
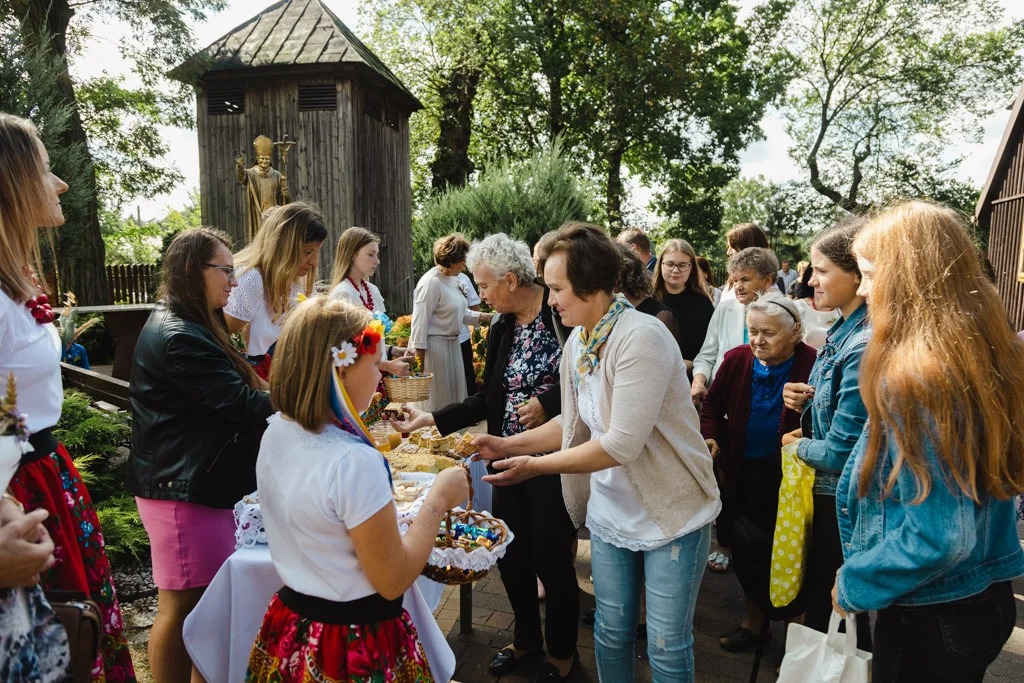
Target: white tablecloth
[[220, 631]]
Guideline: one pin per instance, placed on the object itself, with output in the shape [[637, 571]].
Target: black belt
[[43, 443], [372, 609]]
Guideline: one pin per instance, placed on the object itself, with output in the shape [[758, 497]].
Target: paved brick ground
[[719, 608]]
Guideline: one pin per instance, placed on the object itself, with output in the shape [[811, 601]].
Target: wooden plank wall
[[384, 203], [1007, 222], [357, 174]]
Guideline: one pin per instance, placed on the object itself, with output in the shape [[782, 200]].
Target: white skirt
[[444, 359]]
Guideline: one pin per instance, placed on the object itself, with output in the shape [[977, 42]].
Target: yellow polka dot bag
[[792, 528]]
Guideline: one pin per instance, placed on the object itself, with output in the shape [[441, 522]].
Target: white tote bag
[[816, 657]]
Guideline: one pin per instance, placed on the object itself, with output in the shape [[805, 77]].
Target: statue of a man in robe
[[265, 186]]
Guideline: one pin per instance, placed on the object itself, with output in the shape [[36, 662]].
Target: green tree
[[885, 86], [130, 240], [523, 199], [111, 128]]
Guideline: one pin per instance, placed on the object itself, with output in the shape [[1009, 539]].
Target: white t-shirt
[[248, 303], [32, 352], [816, 323], [346, 291], [313, 488], [614, 512], [472, 299]]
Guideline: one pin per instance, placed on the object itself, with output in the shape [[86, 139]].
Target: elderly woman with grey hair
[[521, 390], [743, 420], [752, 272]]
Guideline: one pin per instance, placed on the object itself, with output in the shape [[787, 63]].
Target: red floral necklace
[[39, 307], [368, 299]]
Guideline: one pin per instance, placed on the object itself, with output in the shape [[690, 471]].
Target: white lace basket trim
[[249, 531], [477, 559]]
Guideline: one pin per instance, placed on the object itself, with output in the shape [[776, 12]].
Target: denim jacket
[[943, 549], [837, 411]]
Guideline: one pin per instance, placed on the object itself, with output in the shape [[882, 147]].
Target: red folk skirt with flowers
[[293, 649], [52, 482]]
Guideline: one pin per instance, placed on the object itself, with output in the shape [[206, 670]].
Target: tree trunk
[[80, 252], [613, 190], [452, 166]]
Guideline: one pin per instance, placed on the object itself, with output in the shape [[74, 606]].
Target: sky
[[767, 157]]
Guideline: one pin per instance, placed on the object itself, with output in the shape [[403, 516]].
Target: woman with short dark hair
[[633, 463], [438, 311], [197, 416]]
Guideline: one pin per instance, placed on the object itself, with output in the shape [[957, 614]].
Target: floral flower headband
[[363, 343]]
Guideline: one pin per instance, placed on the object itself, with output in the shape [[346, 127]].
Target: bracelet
[[8, 496]]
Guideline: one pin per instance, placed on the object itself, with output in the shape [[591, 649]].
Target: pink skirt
[[189, 542]]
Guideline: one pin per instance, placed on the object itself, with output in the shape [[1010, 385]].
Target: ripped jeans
[[673, 573]]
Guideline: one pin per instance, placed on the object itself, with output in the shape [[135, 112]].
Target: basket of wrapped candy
[[468, 544]]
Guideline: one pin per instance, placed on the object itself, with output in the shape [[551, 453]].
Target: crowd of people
[[622, 391]]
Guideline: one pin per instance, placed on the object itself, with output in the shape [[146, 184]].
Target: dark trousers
[[544, 533], [467, 365], [950, 641], [823, 561]]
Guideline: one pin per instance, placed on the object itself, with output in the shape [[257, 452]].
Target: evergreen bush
[[524, 200]]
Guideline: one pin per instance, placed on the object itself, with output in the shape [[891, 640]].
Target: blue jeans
[[672, 573]]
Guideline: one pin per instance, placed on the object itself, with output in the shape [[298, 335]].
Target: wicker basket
[[410, 389], [455, 576]]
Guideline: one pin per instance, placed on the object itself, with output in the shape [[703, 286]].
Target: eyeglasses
[[682, 267], [227, 270]]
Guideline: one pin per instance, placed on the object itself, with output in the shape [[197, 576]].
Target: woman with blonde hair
[[439, 308], [355, 261], [30, 350], [330, 517], [677, 284], [278, 265], [926, 511]]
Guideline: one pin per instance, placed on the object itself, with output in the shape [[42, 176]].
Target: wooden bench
[[99, 387]]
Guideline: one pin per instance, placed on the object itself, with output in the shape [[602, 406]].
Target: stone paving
[[719, 608]]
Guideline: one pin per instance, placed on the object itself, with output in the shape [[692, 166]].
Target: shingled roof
[[290, 33]]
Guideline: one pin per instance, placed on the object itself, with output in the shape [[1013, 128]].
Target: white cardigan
[[725, 332]]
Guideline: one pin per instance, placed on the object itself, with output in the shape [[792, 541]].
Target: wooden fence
[[132, 284]]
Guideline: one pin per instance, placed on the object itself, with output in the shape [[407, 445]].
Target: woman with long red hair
[[925, 502]]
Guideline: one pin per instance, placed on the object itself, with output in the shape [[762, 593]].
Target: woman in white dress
[[355, 261], [439, 309], [278, 266]]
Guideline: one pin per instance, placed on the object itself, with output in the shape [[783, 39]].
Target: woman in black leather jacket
[[198, 413]]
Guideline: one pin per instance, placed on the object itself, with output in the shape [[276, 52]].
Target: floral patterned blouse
[[533, 359]]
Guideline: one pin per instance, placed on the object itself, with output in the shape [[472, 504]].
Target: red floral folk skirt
[[293, 649], [52, 482]]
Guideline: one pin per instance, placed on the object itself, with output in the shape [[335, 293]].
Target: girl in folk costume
[[355, 261], [329, 513], [278, 266], [30, 349]]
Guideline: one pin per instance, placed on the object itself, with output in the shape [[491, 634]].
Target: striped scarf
[[593, 341]]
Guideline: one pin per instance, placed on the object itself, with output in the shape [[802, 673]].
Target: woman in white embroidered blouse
[[647, 488], [355, 261], [438, 311], [278, 266], [30, 350]]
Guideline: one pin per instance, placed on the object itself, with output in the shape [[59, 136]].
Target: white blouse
[[32, 352], [248, 303], [726, 331], [346, 291], [313, 488], [439, 309], [816, 323], [614, 512], [472, 299]]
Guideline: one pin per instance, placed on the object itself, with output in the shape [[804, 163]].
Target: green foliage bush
[[524, 200], [92, 438]]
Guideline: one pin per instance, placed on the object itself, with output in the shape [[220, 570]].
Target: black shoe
[[740, 640], [548, 672], [589, 618], [505, 660]]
